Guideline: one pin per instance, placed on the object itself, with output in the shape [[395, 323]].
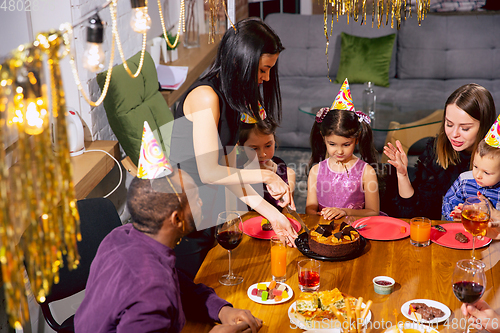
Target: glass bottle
[[192, 33], [369, 100]]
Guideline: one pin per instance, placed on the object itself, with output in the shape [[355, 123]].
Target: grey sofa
[[428, 63]]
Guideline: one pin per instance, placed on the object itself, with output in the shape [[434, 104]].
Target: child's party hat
[[493, 136], [343, 101], [152, 162], [246, 118]]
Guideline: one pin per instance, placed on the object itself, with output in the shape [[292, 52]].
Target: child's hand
[[330, 213], [456, 214]]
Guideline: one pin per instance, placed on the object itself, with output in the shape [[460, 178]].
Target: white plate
[[270, 301], [322, 326], [406, 308], [419, 327]]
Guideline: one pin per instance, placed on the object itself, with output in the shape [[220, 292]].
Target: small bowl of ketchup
[[383, 285]]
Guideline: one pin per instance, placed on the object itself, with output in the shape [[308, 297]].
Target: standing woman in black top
[[469, 113], [243, 77]]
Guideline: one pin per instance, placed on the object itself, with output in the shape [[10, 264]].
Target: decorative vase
[[173, 55], [192, 34]]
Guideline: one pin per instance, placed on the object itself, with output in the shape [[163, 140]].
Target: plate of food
[[270, 292], [259, 227], [327, 311], [456, 237], [382, 228], [427, 311], [410, 327]]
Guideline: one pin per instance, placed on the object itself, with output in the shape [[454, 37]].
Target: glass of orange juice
[[278, 259], [420, 231]]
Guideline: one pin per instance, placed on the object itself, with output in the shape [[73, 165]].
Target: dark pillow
[[365, 59]]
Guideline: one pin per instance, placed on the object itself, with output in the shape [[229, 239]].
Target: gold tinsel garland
[[396, 9], [37, 198], [399, 9]]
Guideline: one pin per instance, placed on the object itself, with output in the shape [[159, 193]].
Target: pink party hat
[[493, 136], [152, 162], [343, 101]]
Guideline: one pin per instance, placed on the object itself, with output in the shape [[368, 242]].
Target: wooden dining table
[[419, 272]]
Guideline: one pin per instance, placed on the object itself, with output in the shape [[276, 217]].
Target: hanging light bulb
[[93, 57], [140, 20], [35, 115], [29, 107]]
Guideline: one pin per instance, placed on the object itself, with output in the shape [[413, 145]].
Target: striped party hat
[[152, 162]]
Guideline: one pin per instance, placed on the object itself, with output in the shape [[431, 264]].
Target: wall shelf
[[197, 59], [91, 167]]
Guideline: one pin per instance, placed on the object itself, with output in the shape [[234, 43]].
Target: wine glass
[[229, 232], [469, 281], [475, 217]]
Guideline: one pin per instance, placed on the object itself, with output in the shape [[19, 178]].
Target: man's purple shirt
[[134, 287]]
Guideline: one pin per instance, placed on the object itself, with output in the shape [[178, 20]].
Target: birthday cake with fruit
[[334, 239]]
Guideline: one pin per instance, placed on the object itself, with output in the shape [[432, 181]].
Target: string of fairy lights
[[37, 197]]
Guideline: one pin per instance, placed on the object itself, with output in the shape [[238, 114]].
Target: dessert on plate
[[334, 239]]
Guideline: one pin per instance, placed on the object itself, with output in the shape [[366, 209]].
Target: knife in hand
[[297, 217]]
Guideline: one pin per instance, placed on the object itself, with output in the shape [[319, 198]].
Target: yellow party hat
[[343, 101], [493, 136], [152, 162], [248, 119]]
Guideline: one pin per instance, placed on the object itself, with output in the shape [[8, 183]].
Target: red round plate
[[447, 239], [382, 228], [252, 228]]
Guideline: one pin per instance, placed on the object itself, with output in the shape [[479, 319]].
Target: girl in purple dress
[[342, 184]]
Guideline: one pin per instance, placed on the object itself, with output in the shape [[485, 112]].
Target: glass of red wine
[[229, 232], [469, 281], [475, 218]]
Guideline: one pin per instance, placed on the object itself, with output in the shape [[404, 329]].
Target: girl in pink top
[[342, 184]]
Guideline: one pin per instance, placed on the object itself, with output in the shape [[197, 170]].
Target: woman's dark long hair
[[237, 68], [342, 123]]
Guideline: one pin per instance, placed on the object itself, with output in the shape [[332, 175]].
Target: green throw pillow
[[365, 59], [131, 101]]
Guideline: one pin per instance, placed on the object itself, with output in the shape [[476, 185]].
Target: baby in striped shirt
[[484, 179]]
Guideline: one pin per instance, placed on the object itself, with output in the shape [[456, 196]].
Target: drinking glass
[[420, 231], [309, 277], [229, 232], [278, 259], [475, 217], [469, 281]]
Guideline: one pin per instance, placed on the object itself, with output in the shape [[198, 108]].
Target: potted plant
[[171, 52]]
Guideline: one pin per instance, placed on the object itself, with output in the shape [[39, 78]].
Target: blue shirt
[[133, 287], [464, 187]]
